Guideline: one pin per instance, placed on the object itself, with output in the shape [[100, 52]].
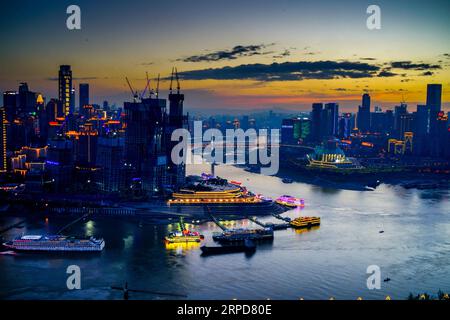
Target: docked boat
[[305, 222], [290, 201], [248, 247], [217, 195], [240, 235], [183, 236], [55, 243]]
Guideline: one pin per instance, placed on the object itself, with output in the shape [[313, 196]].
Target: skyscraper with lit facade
[[3, 140], [65, 87]]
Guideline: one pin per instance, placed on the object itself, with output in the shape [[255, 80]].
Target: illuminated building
[[331, 157], [10, 100], [400, 147], [65, 87], [3, 140]]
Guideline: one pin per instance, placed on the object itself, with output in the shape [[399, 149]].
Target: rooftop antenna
[[157, 87], [134, 93], [178, 81], [171, 80]]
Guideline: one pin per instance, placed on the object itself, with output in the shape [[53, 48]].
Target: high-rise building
[[10, 100], [434, 94], [176, 172], [65, 87], [364, 114], [421, 130], [84, 95], [3, 140], [145, 152], [400, 110], [110, 153], [330, 116], [27, 99], [316, 122]]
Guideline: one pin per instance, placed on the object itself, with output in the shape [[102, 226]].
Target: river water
[[330, 261]]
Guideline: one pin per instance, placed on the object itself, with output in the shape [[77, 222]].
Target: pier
[[274, 226], [12, 226], [73, 222]]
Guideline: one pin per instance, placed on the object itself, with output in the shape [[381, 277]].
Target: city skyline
[[253, 68]]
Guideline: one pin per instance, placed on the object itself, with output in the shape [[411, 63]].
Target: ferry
[[55, 243], [290, 201], [305, 222], [239, 235], [184, 236], [208, 193]]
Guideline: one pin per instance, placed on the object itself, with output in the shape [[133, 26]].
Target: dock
[[73, 222], [215, 220], [274, 226], [12, 226]]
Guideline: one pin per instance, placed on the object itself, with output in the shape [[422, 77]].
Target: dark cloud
[[386, 73], [302, 70], [368, 59], [408, 65], [427, 73], [234, 53], [285, 53], [147, 63]]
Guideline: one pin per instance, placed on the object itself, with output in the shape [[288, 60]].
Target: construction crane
[[133, 92], [178, 81], [171, 80], [146, 86], [157, 87]]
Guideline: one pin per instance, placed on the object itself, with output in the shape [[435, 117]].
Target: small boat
[[248, 247], [289, 201], [305, 222], [8, 253], [287, 180], [184, 236]]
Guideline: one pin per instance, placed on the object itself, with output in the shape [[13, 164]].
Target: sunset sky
[[263, 54]]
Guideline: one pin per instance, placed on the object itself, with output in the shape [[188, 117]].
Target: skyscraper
[[421, 130], [331, 119], [176, 173], [316, 122], [364, 114], [10, 103], [3, 140], [434, 93], [145, 152], [84, 95], [65, 87]]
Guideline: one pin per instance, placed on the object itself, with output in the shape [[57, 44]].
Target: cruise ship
[[213, 195], [55, 243]]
